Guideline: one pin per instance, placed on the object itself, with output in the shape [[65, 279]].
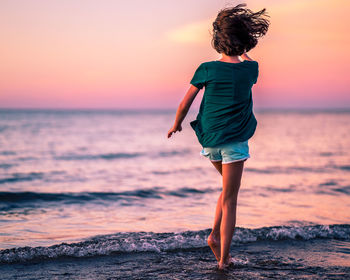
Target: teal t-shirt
[[226, 110]]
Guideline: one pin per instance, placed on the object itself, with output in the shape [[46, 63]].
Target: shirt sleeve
[[200, 77], [256, 73]]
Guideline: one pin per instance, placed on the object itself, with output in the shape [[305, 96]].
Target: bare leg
[[214, 237], [231, 175]]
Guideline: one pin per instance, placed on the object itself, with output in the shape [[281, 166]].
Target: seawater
[[77, 183]]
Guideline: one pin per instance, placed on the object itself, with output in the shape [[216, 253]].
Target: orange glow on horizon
[[100, 56]]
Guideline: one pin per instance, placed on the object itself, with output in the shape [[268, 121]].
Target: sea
[[104, 194]]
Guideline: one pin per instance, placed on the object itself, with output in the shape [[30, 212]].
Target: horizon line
[[158, 109]]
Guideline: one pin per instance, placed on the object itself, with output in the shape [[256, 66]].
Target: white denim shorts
[[228, 152]]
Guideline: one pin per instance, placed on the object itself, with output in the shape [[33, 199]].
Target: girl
[[225, 120]]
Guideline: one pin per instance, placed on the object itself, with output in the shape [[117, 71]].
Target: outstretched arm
[[183, 108]]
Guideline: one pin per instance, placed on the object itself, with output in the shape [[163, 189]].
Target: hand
[[174, 129], [246, 56]]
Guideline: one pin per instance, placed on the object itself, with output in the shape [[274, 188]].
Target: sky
[[142, 54]]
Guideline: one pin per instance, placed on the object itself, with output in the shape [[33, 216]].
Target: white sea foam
[[125, 242]]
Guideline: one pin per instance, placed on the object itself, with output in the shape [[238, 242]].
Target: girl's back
[[226, 111]]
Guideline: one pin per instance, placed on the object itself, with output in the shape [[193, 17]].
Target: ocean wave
[[106, 156], [174, 153], [16, 177], [6, 165], [126, 242], [287, 169], [10, 200], [7, 153], [343, 167], [301, 169], [114, 156], [20, 177]]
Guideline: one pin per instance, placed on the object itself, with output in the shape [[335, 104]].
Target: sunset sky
[[142, 54]]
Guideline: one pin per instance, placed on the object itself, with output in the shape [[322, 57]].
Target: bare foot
[[224, 265], [214, 244]]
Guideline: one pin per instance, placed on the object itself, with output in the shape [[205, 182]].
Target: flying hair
[[237, 29]]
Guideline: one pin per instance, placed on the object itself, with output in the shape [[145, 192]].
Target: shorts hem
[[200, 153], [236, 160]]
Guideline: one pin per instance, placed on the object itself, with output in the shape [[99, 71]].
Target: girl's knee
[[229, 200], [231, 189]]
